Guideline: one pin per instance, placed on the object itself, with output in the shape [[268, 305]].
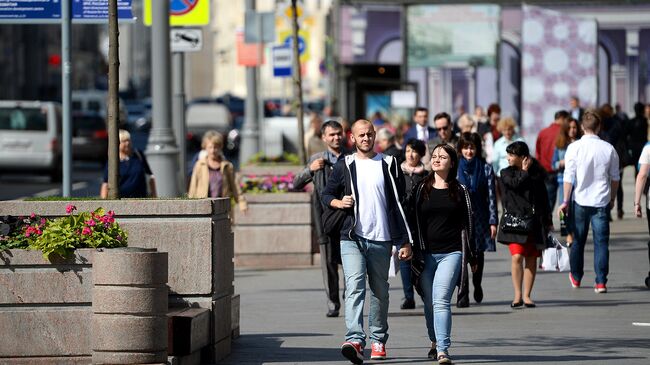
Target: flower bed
[[60, 236]]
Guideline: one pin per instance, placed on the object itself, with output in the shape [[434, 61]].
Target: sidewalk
[[283, 315]]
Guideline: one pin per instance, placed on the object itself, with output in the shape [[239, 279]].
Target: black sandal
[[518, 304]]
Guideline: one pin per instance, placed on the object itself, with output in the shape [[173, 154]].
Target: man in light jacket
[[318, 169]]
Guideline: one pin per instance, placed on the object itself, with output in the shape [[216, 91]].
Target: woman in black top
[[441, 217], [524, 199], [414, 173]]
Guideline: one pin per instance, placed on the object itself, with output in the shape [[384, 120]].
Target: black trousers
[[330, 259]]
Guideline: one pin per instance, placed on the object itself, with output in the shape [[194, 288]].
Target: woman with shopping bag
[[526, 219]]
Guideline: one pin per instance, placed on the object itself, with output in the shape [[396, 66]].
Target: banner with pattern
[[559, 60]]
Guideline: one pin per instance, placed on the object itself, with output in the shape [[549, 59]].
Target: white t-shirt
[[372, 220]]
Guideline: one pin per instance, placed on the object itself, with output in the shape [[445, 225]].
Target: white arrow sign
[[186, 39]]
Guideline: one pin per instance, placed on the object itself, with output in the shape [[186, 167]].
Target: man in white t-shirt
[[591, 172], [374, 222]]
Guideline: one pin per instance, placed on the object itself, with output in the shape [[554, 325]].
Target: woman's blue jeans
[[360, 258], [439, 279]]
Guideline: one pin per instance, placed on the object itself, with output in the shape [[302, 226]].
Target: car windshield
[[23, 119]]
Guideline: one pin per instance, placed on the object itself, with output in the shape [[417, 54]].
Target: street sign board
[[186, 39], [183, 12], [282, 61], [83, 11], [259, 27], [286, 38]]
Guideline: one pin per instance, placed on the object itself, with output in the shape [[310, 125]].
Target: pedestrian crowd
[[427, 195]]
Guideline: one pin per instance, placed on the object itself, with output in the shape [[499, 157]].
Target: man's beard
[[360, 148]]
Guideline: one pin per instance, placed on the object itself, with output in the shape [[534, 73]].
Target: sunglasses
[[442, 128]]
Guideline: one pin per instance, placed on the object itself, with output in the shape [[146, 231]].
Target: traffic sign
[[282, 61], [286, 38], [83, 11], [182, 12], [186, 39]]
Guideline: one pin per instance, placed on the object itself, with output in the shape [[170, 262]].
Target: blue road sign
[[301, 44], [282, 61], [180, 7], [87, 11]]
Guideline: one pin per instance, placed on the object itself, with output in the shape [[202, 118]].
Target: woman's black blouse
[[442, 219]]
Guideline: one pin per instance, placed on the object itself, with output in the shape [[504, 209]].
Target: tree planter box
[[276, 231], [45, 307], [196, 234]]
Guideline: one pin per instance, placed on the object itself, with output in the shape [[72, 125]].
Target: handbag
[[556, 256], [511, 223]]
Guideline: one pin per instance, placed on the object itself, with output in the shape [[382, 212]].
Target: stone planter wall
[[195, 233], [45, 307], [276, 231]]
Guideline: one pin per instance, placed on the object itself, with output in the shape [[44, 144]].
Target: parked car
[[30, 137], [201, 117], [96, 101], [89, 137]]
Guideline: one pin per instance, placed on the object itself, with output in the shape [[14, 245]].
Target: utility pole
[[178, 112], [297, 79], [162, 151], [66, 14], [113, 103], [250, 130]]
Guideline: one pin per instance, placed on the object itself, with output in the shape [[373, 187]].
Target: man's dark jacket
[[393, 187]]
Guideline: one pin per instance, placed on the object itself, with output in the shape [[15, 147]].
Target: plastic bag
[[556, 257]]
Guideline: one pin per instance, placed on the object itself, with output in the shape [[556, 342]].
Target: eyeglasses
[[442, 128]]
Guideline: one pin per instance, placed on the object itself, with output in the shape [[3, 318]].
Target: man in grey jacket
[[317, 171]]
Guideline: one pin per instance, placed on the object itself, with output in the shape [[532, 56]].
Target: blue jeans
[[599, 219], [407, 285], [360, 258], [439, 279]]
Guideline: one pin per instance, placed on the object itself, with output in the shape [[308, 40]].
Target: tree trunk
[[297, 79]]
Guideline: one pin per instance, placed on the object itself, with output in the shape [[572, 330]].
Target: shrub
[[62, 235]]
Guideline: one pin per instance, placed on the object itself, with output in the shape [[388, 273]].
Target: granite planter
[[195, 233], [276, 232]]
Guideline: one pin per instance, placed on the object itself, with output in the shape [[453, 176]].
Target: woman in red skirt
[[526, 219]]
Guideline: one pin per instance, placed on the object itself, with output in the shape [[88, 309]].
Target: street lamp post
[[161, 151]]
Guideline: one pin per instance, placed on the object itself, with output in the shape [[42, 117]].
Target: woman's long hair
[[563, 138], [454, 186]]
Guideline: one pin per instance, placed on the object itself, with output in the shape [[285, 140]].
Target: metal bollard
[[129, 306]]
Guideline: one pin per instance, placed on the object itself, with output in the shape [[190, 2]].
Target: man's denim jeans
[[439, 278], [599, 220], [361, 257]]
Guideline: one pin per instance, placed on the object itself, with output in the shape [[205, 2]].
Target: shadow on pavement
[[265, 348]]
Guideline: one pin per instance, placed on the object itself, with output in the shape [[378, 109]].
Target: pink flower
[[90, 222], [32, 216], [43, 221], [70, 208], [86, 231]]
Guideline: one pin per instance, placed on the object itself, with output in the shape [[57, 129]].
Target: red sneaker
[[378, 351], [352, 351], [600, 288], [574, 283]]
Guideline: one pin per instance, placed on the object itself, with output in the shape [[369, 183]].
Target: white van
[[30, 137]]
